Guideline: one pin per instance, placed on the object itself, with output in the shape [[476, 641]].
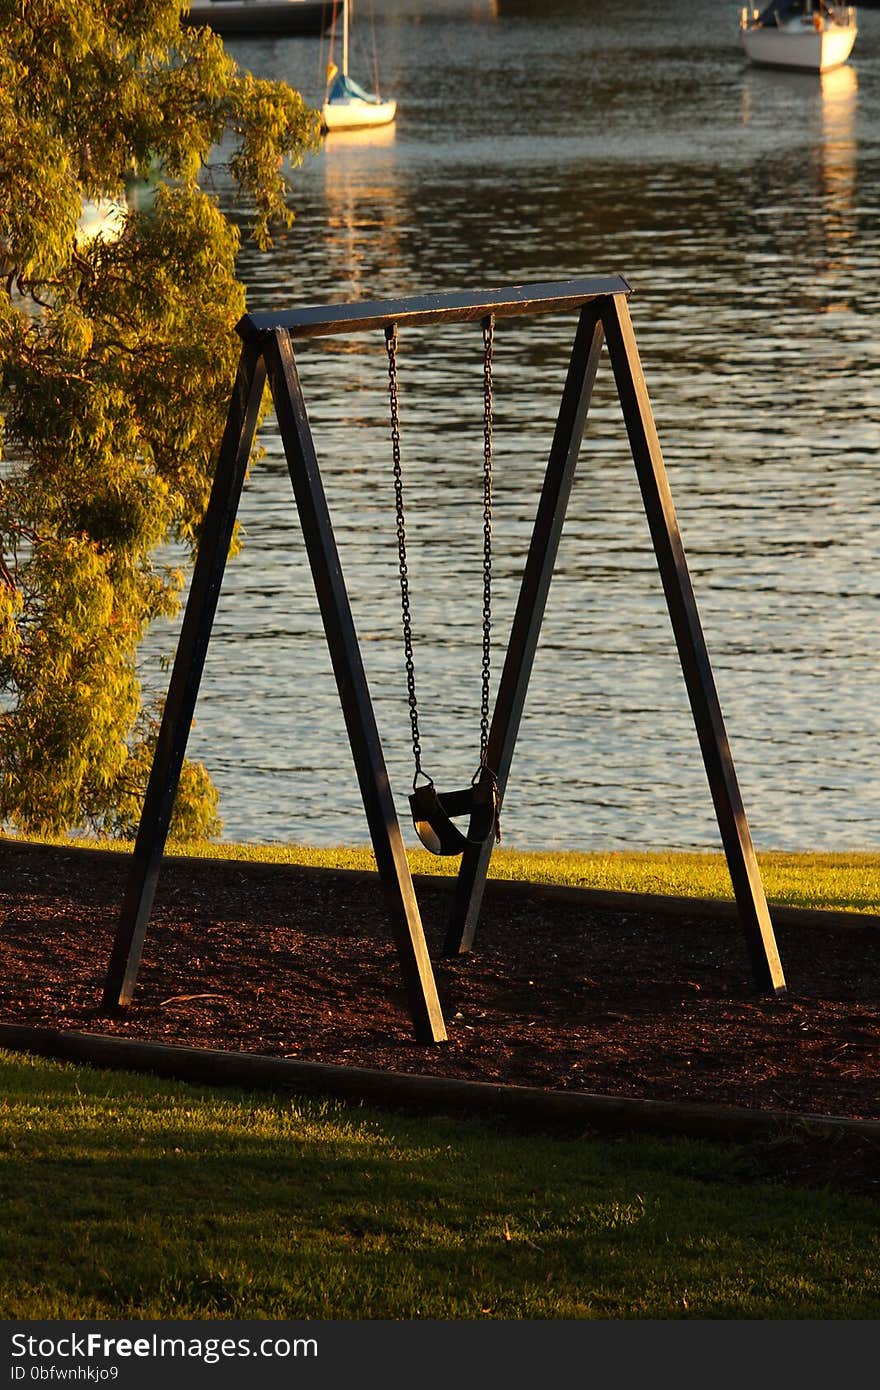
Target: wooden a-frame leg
[[693, 655], [241, 424], [529, 614], [354, 694]]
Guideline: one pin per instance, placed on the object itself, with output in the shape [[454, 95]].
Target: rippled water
[[538, 143]]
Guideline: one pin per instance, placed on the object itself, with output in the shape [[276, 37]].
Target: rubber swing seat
[[433, 812]]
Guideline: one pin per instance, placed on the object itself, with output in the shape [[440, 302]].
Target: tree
[[116, 360]]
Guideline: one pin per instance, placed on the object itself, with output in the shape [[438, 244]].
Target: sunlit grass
[[123, 1196], [845, 881]]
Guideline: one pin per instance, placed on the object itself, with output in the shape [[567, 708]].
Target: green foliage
[[117, 354]]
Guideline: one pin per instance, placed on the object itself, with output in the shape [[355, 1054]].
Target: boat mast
[[345, 38]]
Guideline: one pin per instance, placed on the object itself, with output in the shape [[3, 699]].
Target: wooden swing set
[[267, 354]]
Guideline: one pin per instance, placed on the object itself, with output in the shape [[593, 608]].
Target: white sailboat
[[810, 34], [346, 105]]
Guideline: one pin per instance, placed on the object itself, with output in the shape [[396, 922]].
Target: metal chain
[[488, 345], [391, 346], [403, 569]]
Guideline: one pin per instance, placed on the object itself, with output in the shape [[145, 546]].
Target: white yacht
[[814, 35]]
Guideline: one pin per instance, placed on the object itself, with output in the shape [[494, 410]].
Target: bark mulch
[[299, 963]]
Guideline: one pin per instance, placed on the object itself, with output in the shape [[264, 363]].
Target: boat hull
[[263, 16], [804, 48], [357, 115]]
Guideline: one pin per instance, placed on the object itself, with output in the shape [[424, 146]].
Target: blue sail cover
[[346, 89]]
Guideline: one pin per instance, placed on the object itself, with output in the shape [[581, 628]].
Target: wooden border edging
[[436, 1095]]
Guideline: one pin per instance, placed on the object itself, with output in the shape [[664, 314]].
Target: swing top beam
[[325, 320]]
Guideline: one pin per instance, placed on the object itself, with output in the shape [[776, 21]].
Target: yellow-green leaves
[[266, 122], [117, 354]]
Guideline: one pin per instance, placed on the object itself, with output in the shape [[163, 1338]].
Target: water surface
[[539, 143]]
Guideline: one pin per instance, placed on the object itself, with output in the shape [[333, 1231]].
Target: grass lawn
[[848, 881], [127, 1197]]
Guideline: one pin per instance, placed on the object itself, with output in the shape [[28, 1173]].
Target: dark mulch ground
[[298, 964]]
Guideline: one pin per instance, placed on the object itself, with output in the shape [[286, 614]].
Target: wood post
[[189, 661], [351, 682], [529, 614], [693, 655]]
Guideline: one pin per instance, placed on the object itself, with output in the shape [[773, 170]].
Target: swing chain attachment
[[488, 345], [488, 407], [391, 347], [431, 815]]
